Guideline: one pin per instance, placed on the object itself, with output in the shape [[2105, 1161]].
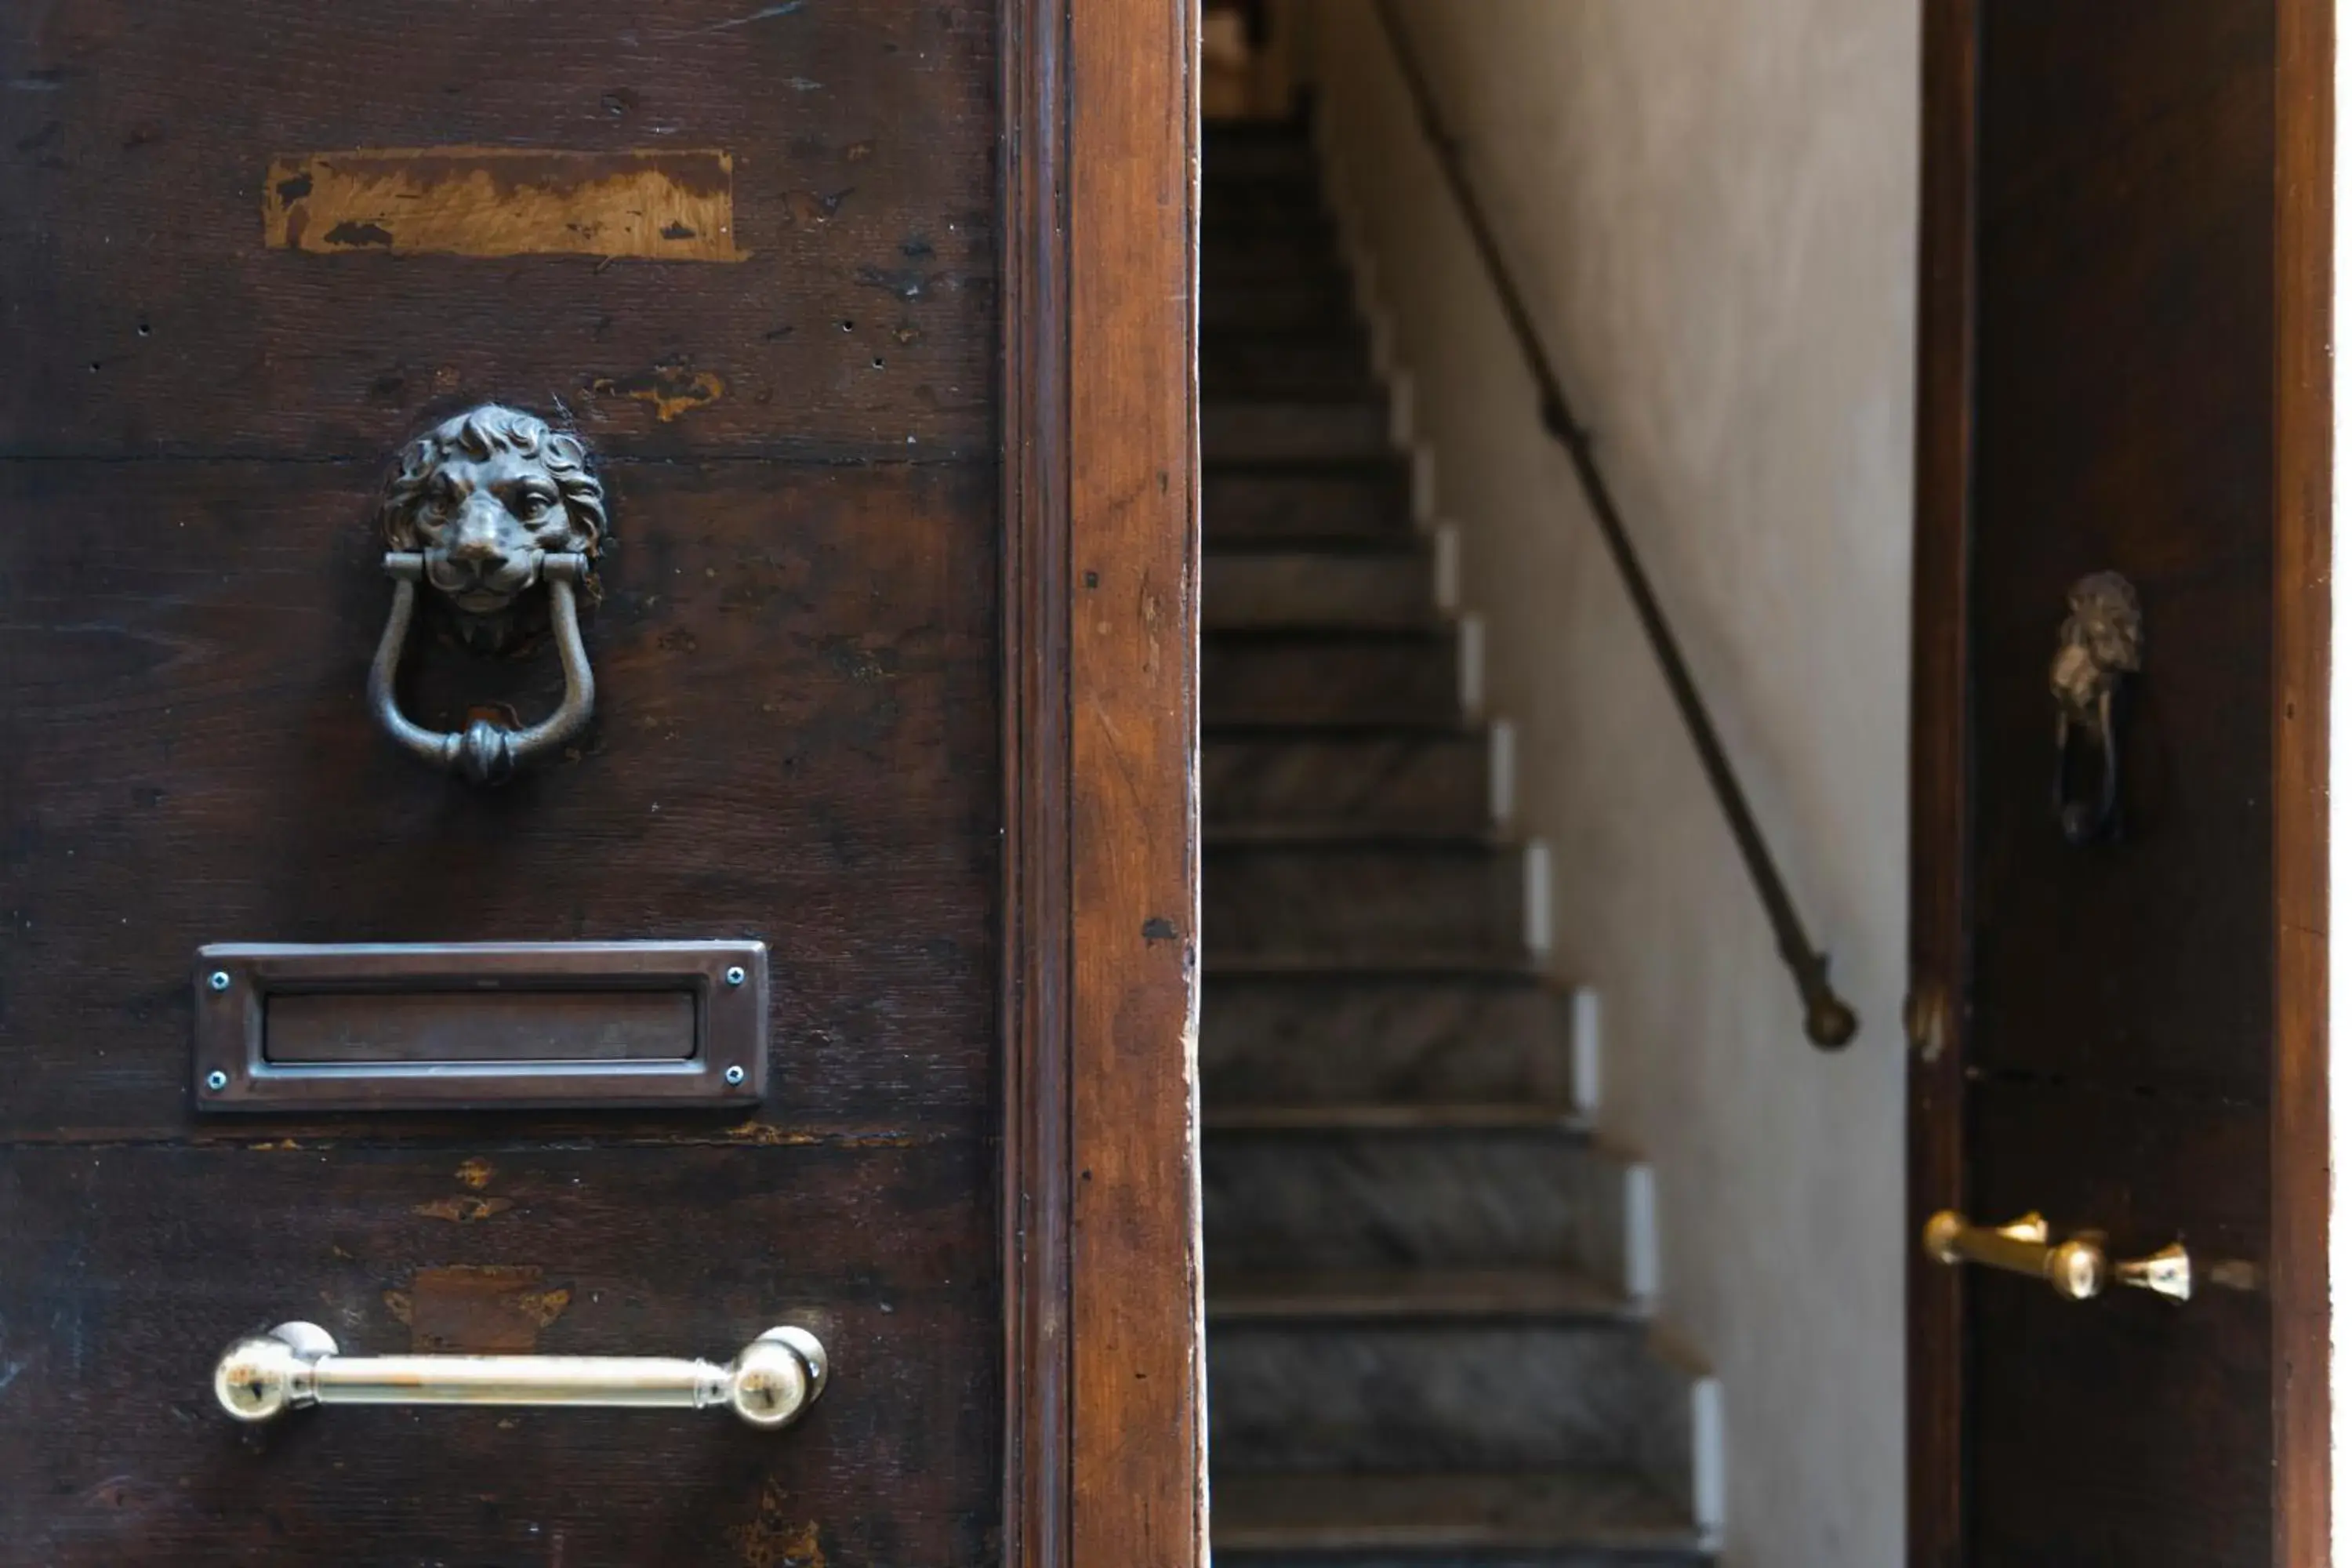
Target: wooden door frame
[[2301, 523], [1105, 1438]]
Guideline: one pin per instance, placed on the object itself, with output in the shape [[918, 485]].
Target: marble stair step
[[1361, 500], [1433, 963], [1465, 1193], [1561, 1519], [1390, 588], [1415, 782], [1292, 430], [1292, 1043], [1388, 1295], [1294, 680], [1364, 896], [1395, 1116], [1522, 1393]]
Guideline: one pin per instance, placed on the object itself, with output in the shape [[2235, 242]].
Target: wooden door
[[887, 597], [2117, 1018]]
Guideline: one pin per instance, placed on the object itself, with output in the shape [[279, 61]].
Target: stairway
[[1422, 1349]]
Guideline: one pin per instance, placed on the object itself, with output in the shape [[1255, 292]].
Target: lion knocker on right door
[[2098, 645]]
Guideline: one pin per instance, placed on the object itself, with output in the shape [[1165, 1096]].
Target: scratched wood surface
[[147, 316], [1136, 1379], [128, 1268], [795, 724], [797, 738]]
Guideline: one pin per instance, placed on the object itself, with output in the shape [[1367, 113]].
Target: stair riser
[[1437, 1396], [1564, 1557], [1230, 209], [1270, 681], [1275, 264], [1248, 592], [1229, 158], [1281, 260], [1295, 1042], [1439, 1197], [1278, 307], [1373, 502], [1294, 432], [1421, 784], [1366, 901]]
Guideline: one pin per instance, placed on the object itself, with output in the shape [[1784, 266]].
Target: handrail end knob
[[1829, 1022]]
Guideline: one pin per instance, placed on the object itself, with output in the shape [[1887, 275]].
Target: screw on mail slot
[[486, 1025]]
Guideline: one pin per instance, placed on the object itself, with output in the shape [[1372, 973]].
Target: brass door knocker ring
[[2098, 645], [484, 507]]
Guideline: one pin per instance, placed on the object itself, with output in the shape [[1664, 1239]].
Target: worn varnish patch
[[663, 204], [476, 1310]]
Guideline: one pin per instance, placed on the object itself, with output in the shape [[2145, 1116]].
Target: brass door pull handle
[[772, 1383], [2077, 1268]]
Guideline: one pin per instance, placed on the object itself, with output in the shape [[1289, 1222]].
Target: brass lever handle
[[2077, 1268], [775, 1379]]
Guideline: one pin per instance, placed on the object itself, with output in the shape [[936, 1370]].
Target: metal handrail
[[1829, 1022]]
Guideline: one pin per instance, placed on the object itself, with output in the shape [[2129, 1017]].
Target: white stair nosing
[[1584, 1050]]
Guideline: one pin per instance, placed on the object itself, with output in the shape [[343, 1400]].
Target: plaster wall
[[1712, 209]]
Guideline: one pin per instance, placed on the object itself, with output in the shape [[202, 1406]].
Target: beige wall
[[1712, 206]]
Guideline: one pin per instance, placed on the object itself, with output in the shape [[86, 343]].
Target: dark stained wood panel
[[114, 1440], [2302, 1138], [2125, 348], [2124, 390], [147, 314], [794, 739]]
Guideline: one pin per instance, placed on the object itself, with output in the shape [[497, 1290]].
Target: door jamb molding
[[1105, 1438]]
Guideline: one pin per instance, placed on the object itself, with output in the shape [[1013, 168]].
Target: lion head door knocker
[[484, 507], [2098, 645]]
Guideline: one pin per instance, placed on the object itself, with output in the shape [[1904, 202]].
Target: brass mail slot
[[385, 1027]]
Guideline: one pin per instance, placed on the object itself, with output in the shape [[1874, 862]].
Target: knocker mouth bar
[[483, 752]]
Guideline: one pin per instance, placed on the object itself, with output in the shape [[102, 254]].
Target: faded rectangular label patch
[[666, 204]]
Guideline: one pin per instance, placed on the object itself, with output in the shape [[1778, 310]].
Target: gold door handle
[[2077, 1268], [776, 1378]]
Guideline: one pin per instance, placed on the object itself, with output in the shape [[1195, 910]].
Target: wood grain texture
[[2126, 211], [795, 712], [1137, 1482], [2303, 527], [1937, 1031], [145, 316], [112, 1451], [1039, 1052]]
